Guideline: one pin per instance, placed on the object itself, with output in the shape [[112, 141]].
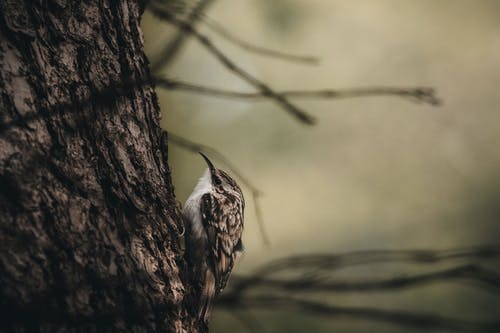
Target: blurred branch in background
[[337, 261], [316, 282], [231, 66], [310, 274], [426, 95], [171, 49], [408, 319], [224, 33], [186, 27], [196, 147], [419, 94], [300, 283]]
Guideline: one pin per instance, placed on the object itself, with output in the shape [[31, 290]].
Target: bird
[[214, 215]]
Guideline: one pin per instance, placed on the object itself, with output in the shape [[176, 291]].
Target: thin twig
[[224, 33], [337, 261], [330, 262], [419, 94], [196, 147], [467, 273], [418, 320], [168, 53], [263, 88]]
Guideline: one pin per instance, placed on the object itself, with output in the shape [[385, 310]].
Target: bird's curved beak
[[209, 163]]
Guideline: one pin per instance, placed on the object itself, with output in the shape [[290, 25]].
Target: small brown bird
[[214, 216]]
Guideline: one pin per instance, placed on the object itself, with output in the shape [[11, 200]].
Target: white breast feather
[[192, 205]]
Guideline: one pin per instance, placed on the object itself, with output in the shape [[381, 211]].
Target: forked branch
[[230, 65]]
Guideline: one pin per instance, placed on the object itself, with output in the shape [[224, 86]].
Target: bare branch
[[418, 320], [330, 262], [422, 94], [195, 147], [312, 264], [224, 33], [109, 94], [259, 291], [419, 94], [171, 49], [263, 88], [310, 283]]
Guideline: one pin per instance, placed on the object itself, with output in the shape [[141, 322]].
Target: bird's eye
[[217, 181]]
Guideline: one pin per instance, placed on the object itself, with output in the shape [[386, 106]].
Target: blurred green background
[[375, 172]]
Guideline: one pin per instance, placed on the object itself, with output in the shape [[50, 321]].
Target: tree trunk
[[90, 229]]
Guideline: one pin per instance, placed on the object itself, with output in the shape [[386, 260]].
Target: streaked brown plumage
[[214, 212]]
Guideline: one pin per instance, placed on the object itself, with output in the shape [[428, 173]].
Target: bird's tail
[[207, 297]]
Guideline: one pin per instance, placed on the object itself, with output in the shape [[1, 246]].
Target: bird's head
[[220, 180]]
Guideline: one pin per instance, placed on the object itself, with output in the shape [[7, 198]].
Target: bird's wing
[[223, 234]]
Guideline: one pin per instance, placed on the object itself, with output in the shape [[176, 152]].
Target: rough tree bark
[[90, 229]]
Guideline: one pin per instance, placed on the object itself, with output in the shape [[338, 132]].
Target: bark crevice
[[89, 224]]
